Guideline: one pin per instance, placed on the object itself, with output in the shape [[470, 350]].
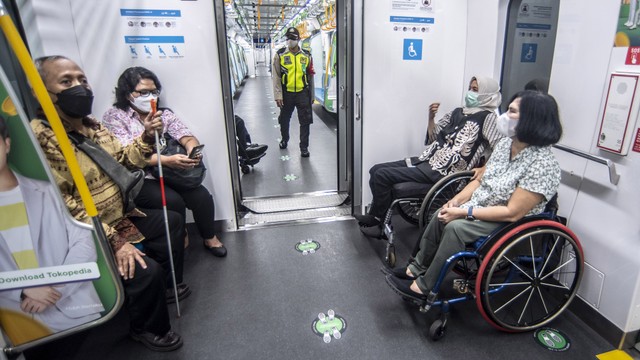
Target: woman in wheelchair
[[456, 142], [521, 176]]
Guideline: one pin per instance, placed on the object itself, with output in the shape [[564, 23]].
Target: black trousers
[[155, 242], [382, 178], [199, 200], [243, 135], [302, 103], [145, 299]]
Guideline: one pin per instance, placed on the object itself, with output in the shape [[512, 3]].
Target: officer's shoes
[[283, 144], [304, 152]]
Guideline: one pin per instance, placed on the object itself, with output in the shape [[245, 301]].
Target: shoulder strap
[[124, 178]]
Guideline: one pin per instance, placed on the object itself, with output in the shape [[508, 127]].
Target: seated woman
[[521, 176], [136, 88], [456, 142]]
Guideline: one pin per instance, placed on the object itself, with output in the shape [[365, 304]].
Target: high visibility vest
[[293, 69]]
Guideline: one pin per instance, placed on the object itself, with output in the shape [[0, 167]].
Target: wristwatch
[[470, 214]]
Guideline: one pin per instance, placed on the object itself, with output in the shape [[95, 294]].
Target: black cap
[[292, 33]]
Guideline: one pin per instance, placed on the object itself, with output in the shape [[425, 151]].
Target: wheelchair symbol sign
[[412, 49], [529, 53]]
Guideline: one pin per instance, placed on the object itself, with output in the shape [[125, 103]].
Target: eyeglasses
[[146, 93]]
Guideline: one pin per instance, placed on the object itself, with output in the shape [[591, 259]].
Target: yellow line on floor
[[614, 355]]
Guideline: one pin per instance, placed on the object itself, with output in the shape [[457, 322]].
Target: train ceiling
[[265, 21]]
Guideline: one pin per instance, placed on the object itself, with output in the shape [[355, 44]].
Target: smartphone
[[196, 151]]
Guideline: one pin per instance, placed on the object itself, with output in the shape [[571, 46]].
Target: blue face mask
[[471, 100]]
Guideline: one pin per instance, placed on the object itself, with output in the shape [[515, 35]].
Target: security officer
[[293, 88]]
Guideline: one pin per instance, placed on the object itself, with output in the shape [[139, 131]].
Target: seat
[[521, 276]]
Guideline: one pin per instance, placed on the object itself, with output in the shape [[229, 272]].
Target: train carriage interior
[[303, 277]]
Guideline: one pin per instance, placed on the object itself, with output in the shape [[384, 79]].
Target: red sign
[[636, 142], [633, 55]]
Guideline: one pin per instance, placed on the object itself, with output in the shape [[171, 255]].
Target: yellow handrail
[[31, 72]]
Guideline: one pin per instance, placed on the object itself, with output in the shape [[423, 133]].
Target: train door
[[529, 45], [305, 185]]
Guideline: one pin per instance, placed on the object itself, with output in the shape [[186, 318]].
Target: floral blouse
[[534, 169], [126, 125]]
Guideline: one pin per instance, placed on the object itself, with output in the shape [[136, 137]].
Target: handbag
[[179, 179], [129, 182]]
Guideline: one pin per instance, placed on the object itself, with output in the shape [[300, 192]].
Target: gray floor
[[260, 302], [256, 106]]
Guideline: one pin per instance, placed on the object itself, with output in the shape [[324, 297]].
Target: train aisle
[[284, 172], [263, 302]]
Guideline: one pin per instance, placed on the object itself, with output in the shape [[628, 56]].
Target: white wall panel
[[604, 216], [396, 92], [92, 32]]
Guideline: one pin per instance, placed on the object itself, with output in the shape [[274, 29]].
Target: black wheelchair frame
[[521, 276]]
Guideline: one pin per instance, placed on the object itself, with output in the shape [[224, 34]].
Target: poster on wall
[[411, 16], [628, 25], [617, 113], [47, 262], [153, 33]]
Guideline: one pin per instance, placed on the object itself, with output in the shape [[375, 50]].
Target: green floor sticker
[[329, 326], [290, 177], [552, 339], [307, 246]]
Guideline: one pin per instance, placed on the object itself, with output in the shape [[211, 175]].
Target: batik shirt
[[458, 142], [105, 192], [534, 169]]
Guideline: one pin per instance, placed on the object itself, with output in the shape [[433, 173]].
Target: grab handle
[[613, 175]]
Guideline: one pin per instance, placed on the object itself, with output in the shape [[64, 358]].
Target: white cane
[[166, 216]]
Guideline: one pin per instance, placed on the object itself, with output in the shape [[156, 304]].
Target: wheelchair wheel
[[245, 169], [437, 330], [410, 211], [440, 193], [529, 276], [390, 258]]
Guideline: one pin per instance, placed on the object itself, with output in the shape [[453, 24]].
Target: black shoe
[[304, 152], [374, 231], [283, 144], [183, 292], [399, 272], [254, 150], [403, 288], [220, 251], [367, 220], [167, 342]]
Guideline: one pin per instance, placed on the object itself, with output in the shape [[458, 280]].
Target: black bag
[[129, 182], [179, 179]]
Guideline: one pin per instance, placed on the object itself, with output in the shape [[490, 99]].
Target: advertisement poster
[[47, 261], [628, 30]]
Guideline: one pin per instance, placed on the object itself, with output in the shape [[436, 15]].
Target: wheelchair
[[521, 276], [418, 209]]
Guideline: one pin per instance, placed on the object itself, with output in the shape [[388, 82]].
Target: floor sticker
[[329, 326]]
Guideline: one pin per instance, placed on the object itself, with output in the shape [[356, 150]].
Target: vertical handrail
[[613, 175]]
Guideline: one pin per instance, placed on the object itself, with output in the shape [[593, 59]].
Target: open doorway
[[275, 183]]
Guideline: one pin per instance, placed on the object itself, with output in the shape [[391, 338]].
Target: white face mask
[[507, 125], [292, 43], [143, 103]]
